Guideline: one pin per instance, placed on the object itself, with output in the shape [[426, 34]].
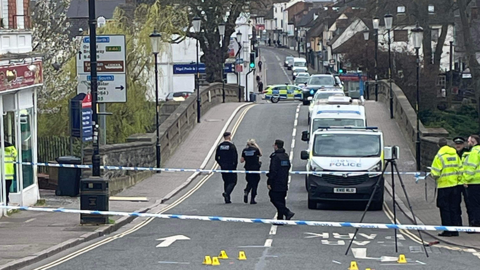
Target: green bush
[[463, 122]]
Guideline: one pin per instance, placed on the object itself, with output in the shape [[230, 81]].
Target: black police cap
[[459, 140]]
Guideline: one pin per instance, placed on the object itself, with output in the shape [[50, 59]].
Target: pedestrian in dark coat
[[251, 156], [277, 181], [227, 157]]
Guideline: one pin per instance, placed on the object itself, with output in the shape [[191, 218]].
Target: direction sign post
[[111, 68]]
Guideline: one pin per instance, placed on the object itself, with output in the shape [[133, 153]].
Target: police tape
[[420, 175], [252, 220]]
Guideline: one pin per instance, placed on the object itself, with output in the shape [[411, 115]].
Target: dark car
[[178, 96], [319, 81]]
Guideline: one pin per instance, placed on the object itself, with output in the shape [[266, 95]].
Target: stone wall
[[139, 150], [406, 118]]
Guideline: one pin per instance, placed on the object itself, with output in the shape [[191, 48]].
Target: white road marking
[[336, 262], [268, 243], [167, 241], [333, 243], [30, 220], [316, 235], [273, 230], [370, 237], [167, 262], [362, 243], [278, 58], [417, 261], [361, 253]]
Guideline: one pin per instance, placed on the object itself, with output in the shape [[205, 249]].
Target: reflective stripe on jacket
[[471, 167], [10, 157], [446, 167]]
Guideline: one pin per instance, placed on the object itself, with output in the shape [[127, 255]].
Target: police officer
[[462, 151], [10, 158], [227, 157], [251, 156], [471, 180], [446, 170], [277, 181]]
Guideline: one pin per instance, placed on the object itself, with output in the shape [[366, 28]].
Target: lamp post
[[221, 31], [196, 28], [366, 36], [388, 25], [155, 39], [376, 23], [239, 41], [417, 43]]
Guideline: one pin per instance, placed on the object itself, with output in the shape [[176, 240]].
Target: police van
[[337, 114], [347, 154]]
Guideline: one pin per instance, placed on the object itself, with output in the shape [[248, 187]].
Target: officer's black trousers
[[448, 200], [7, 188], [252, 183], [229, 182], [473, 198], [278, 200], [463, 191]]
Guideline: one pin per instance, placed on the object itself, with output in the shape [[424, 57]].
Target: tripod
[[393, 165]]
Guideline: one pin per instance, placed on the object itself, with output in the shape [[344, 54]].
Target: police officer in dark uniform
[[277, 181], [227, 157], [251, 156]]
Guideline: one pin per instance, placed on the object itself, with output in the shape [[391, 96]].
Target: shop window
[[400, 35], [9, 135], [26, 128]]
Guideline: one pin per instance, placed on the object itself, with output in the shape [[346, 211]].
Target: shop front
[[18, 127]]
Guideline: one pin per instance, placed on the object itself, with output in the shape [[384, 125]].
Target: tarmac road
[[266, 246]]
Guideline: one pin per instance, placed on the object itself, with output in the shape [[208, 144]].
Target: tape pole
[[254, 220]]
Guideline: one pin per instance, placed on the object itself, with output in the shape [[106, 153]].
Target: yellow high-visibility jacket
[[446, 167], [471, 167]]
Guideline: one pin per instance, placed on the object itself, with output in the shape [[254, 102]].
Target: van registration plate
[[344, 190]]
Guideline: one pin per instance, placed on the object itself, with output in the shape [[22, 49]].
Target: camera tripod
[[394, 169]]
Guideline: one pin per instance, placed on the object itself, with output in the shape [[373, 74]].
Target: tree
[[470, 49], [51, 39]]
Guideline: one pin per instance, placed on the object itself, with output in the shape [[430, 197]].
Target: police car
[[323, 97], [275, 93], [350, 155]]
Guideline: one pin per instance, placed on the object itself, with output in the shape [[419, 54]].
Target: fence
[[49, 148]]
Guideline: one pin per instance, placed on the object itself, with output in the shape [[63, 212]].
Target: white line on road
[[30, 220], [273, 230], [336, 262], [268, 243], [278, 58]]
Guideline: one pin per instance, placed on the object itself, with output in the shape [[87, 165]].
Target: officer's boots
[[252, 200], [245, 196]]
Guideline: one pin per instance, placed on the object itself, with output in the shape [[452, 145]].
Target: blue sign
[[192, 68], [102, 78], [87, 125], [81, 117], [99, 39]]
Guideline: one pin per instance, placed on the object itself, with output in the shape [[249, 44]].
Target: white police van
[[338, 111], [347, 154]]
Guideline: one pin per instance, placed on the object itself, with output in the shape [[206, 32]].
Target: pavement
[[267, 247], [28, 237]]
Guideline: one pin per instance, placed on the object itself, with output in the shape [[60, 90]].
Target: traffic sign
[[111, 68], [111, 87]]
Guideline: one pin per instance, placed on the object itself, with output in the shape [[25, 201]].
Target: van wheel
[[312, 204], [275, 99]]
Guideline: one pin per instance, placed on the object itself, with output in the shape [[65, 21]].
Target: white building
[[20, 75], [177, 63]]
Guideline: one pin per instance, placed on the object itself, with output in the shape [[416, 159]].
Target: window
[[442, 81], [431, 9], [435, 34], [321, 81], [401, 9], [400, 35], [346, 145]]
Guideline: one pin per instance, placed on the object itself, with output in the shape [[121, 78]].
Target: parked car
[[319, 81], [299, 65], [278, 92], [288, 62], [178, 96]]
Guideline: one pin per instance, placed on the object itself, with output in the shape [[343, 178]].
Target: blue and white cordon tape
[[125, 168], [254, 220]]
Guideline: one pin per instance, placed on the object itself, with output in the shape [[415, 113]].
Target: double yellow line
[[414, 237], [145, 222]]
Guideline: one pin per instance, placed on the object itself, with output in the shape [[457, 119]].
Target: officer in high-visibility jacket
[[471, 180], [463, 150], [446, 170], [10, 158]]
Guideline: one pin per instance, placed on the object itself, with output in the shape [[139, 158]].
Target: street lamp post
[[417, 43], [239, 41], [155, 39], [366, 35], [196, 28], [221, 31], [376, 23], [388, 25]]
